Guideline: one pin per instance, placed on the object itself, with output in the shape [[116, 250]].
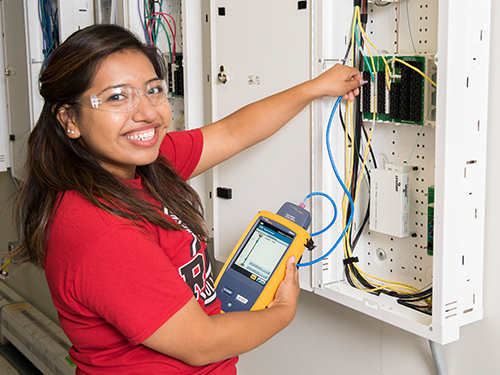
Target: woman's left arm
[[259, 120]]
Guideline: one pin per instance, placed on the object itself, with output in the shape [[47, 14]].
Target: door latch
[[9, 71], [222, 77]]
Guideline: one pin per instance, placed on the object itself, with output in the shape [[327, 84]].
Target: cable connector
[[310, 244], [302, 204], [364, 18]]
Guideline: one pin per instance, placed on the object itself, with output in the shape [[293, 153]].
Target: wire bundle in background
[[156, 21], [50, 28]]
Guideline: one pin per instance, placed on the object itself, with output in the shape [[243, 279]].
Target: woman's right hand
[[288, 292], [340, 80]]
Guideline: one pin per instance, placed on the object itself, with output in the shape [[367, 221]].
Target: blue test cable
[[303, 204], [332, 162]]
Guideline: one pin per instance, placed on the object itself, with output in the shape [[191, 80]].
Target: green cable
[[362, 54], [165, 30]]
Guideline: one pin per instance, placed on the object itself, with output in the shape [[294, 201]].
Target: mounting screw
[[381, 254]]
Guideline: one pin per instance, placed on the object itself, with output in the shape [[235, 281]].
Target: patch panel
[[409, 98], [382, 93], [175, 76], [366, 95]]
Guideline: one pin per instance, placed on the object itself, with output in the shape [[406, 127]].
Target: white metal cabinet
[[450, 156], [17, 83]]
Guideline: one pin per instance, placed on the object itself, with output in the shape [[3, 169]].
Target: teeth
[[145, 136]]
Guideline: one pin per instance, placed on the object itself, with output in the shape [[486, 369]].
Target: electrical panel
[[414, 250]]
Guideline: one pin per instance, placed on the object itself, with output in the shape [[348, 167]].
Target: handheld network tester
[[256, 266]]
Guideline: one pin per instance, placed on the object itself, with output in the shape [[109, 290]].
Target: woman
[[105, 209]]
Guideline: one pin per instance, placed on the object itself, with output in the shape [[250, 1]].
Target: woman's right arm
[[198, 339]]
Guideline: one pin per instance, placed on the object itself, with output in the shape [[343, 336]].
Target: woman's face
[[121, 141]]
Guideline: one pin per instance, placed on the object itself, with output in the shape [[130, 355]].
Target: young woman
[[105, 209]]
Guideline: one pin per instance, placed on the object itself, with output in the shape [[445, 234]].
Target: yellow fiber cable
[[349, 119], [406, 286], [356, 9], [365, 157], [347, 250], [367, 47], [415, 69], [373, 45], [400, 287], [388, 286], [348, 164]]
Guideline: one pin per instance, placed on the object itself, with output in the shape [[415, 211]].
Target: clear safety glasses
[[126, 98]]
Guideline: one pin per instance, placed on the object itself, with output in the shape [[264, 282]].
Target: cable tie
[[350, 260]]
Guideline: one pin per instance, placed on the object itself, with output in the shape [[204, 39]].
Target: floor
[[6, 368], [12, 362]]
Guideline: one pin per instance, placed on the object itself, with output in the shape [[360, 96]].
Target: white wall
[[327, 338]]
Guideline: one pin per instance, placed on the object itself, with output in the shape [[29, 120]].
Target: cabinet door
[[259, 48], [16, 67]]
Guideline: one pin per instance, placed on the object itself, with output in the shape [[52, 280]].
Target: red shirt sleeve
[[183, 150]]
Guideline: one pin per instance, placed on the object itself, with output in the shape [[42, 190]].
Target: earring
[[71, 131]]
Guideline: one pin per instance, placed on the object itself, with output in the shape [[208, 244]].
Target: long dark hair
[[56, 163]]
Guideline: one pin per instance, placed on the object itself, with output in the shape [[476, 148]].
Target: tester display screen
[[262, 252]]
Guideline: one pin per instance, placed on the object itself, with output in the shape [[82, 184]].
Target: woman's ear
[[67, 120]]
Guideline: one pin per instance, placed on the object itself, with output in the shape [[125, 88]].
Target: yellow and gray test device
[[256, 266]]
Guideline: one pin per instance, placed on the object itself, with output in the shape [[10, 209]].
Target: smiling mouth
[[141, 136]]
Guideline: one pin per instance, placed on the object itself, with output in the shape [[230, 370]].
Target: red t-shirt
[[115, 284]]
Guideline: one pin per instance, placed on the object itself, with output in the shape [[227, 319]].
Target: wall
[[327, 338]]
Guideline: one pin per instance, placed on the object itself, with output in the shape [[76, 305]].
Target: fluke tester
[[256, 266]]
